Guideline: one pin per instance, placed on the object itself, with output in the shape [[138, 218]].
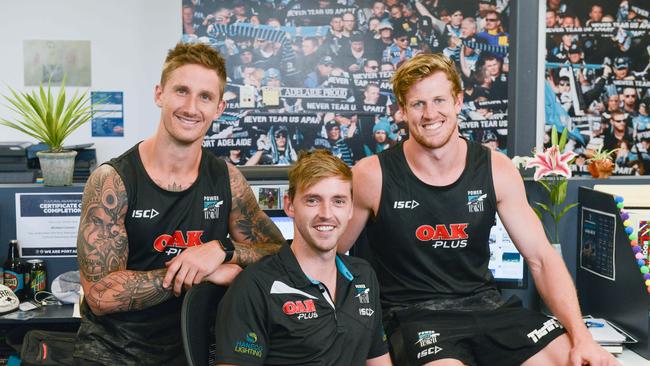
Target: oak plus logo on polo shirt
[[302, 309], [249, 346], [445, 236]]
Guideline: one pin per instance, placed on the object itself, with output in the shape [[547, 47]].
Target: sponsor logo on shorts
[[366, 312], [363, 294], [548, 326], [427, 338], [405, 204], [249, 346], [211, 205], [305, 309], [450, 236], [475, 200]]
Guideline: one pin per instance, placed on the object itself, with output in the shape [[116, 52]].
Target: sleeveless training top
[[430, 243], [159, 225]]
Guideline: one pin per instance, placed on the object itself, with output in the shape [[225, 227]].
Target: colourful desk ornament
[[641, 259]]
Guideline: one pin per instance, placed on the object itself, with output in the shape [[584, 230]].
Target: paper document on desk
[[603, 332]]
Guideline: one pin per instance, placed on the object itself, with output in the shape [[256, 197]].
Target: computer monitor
[[506, 263]]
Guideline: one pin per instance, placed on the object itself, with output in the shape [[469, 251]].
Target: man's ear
[[157, 95], [288, 205]]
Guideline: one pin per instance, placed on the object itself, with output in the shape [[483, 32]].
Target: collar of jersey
[[300, 278]]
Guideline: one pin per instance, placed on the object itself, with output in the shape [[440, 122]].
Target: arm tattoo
[[258, 236], [129, 290], [102, 250]]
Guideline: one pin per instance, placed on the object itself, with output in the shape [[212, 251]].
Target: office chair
[[198, 316]]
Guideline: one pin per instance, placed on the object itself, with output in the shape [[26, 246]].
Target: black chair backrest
[[198, 316]]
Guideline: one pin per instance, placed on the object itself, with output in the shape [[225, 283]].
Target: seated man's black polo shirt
[[273, 314]]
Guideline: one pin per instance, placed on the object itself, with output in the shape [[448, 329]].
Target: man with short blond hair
[[306, 305]]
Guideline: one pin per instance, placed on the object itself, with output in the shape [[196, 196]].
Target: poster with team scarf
[[317, 74], [597, 82]]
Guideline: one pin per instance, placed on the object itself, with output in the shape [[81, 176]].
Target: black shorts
[[508, 335]]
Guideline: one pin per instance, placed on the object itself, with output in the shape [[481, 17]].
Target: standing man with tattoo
[[156, 219]]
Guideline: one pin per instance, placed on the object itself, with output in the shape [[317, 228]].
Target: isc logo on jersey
[[306, 309], [444, 236], [406, 204], [144, 214]]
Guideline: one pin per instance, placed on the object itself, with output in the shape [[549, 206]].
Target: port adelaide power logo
[[475, 200], [211, 205]]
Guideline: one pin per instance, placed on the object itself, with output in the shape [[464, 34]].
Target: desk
[[44, 315], [13, 326], [630, 358]]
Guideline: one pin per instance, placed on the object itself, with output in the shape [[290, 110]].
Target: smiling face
[[321, 213], [431, 111], [189, 100]]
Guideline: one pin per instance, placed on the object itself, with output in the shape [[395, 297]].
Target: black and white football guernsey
[[160, 224], [430, 243]]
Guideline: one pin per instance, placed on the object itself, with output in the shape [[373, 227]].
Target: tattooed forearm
[[102, 250], [127, 291], [256, 234], [102, 242], [246, 253]]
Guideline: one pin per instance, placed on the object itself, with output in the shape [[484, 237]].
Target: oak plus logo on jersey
[[173, 244], [475, 200], [405, 204], [145, 214], [305, 309], [211, 205], [449, 236]]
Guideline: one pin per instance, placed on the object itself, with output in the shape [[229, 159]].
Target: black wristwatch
[[228, 248]]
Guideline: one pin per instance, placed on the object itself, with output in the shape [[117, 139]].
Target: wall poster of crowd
[[305, 74], [597, 79]]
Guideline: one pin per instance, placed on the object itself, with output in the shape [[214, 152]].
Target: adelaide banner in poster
[[316, 73]]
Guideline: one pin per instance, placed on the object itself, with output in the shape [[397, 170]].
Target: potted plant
[[552, 169], [50, 119], [601, 164]]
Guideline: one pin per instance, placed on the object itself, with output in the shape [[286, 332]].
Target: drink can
[[37, 276]]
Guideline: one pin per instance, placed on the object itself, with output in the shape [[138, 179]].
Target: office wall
[[129, 40]]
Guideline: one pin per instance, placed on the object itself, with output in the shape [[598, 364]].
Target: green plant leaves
[[46, 117]]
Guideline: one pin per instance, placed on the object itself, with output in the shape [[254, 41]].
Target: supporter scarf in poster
[[597, 81], [294, 74]]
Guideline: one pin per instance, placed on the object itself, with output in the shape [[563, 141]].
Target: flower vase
[[601, 168]]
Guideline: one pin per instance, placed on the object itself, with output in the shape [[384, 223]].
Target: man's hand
[[588, 352], [193, 265], [224, 275]]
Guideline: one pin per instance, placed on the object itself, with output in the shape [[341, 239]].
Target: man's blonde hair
[[421, 67], [315, 166], [194, 54]]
